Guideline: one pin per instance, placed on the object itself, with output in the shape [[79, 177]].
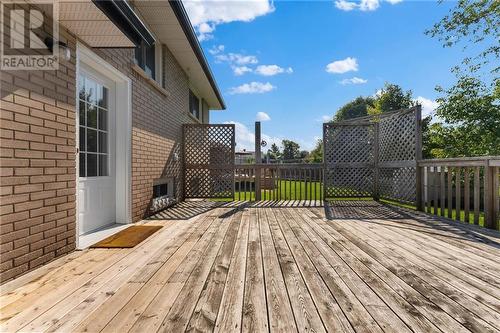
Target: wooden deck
[[360, 267]]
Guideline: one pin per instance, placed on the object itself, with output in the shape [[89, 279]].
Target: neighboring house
[[244, 157], [84, 146]]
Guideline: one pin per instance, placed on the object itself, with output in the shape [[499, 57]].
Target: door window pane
[[103, 100], [103, 119], [81, 108], [82, 165], [91, 116], [103, 165], [81, 87], [90, 91], [103, 142], [91, 140], [83, 143], [91, 165]]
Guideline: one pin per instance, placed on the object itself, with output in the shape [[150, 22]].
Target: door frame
[[123, 128]]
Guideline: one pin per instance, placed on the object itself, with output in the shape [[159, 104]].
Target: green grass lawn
[[299, 190], [431, 211], [288, 190]]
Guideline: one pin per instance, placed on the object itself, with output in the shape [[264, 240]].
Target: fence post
[[418, 157], [490, 195], [258, 161]]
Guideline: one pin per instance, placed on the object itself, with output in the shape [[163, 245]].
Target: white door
[[97, 166]]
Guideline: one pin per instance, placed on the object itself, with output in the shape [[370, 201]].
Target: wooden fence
[[465, 189], [278, 182]]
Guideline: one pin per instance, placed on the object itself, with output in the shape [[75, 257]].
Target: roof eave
[[182, 17]]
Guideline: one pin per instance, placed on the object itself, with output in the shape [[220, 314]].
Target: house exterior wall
[[157, 120], [38, 155], [38, 177]]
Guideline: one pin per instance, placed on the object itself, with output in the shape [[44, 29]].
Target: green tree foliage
[[274, 152], [471, 107], [390, 98], [355, 108], [291, 150], [316, 155], [473, 22]]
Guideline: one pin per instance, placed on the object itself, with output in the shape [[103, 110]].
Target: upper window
[[194, 105], [145, 58]]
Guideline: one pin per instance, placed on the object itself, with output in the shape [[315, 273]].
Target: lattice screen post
[[258, 160], [418, 156], [376, 167]]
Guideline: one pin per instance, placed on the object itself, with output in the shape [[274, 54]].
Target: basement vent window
[[163, 194]]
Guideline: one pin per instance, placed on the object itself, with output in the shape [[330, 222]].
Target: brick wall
[[37, 147]]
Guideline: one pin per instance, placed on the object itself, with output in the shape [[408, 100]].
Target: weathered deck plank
[[272, 267]]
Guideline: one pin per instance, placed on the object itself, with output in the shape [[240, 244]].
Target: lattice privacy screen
[[349, 157], [397, 156], [208, 160], [372, 156]]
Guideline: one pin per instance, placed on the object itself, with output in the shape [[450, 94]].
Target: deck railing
[[465, 189], [278, 182]]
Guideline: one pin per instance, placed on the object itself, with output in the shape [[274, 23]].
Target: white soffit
[[160, 18], [90, 24]]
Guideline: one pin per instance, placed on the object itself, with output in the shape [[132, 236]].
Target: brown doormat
[[129, 237]]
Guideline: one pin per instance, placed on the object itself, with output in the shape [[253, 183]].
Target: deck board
[[272, 267]]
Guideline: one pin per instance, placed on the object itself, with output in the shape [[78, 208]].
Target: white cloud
[[369, 5], [345, 5], [215, 12], [216, 49], [236, 58], [364, 5], [240, 70], [262, 116], [324, 118], [353, 80], [245, 139], [428, 105], [270, 70], [377, 93], [342, 66], [252, 88]]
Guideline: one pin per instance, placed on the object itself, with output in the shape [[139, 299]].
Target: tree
[[274, 152], [316, 155], [470, 107], [291, 150], [473, 22], [355, 108], [390, 98]]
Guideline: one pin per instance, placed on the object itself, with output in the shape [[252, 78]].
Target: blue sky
[[366, 44]]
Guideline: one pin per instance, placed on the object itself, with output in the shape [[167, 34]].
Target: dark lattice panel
[[212, 144], [398, 184], [206, 183], [348, 158], [397, 144], [209, 161], [351, 161], [348, 144], [348, 182], [397, 137]]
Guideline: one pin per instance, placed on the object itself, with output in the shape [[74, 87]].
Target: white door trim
[[123, 131]]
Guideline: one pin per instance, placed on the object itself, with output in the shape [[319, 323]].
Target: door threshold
[[92, 237]]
